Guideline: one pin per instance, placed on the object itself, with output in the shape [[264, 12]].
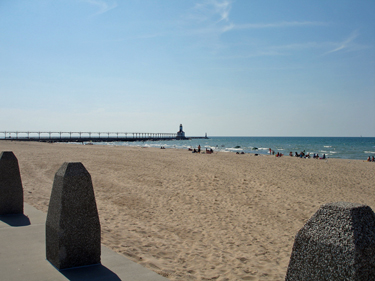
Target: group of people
[[371, 159], [208, 151], [196, 150], [300, 155], [278, 154], [303, 155]]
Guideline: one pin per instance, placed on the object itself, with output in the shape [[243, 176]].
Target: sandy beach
[[186, 216]]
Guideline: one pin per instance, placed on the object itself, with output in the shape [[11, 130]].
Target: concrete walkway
[[23, 255]]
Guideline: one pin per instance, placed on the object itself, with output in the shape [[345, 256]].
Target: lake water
[[332, 147]]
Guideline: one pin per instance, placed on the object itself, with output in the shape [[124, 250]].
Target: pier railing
[[84, 136]]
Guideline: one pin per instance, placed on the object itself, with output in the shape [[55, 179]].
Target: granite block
[[337, 243], [11, 190], [72, 226]]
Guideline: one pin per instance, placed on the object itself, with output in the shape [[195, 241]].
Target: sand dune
[[197, 216]]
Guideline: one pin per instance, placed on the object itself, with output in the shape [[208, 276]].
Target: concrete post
[[11, 191], [72, 226], [337, 243]]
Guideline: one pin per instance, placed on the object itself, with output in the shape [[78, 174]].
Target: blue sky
[[228, 68]]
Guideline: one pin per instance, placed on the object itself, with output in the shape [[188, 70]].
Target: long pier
[[89, 136]]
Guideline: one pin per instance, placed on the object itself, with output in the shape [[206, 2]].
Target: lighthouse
[[180, 133]]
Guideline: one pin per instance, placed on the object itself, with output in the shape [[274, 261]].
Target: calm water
[[337, 147]]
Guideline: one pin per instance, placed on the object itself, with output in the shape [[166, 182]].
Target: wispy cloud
[[274, 25], [103, 6], [214, 15], [299, 46], [344, 45], [291, 49], [222, 9], [212, 18], [217, 10]]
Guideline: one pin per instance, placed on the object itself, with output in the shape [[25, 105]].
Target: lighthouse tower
[[180, 133]]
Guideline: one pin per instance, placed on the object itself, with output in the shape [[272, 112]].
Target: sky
[[221, 67]]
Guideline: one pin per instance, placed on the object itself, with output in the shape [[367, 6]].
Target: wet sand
[[188, 216]]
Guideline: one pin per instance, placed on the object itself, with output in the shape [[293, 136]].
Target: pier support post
[[337, 243], [11, 191], [72, 226]]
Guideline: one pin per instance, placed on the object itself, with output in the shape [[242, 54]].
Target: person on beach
[[369, 159], [373, 159], [199, 148]]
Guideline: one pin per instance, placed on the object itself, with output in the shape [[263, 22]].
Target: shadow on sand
[[15, 220], [93, 273]]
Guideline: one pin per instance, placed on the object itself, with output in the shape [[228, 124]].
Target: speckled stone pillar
[[72, 226], [11, 191], [337, 243]]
